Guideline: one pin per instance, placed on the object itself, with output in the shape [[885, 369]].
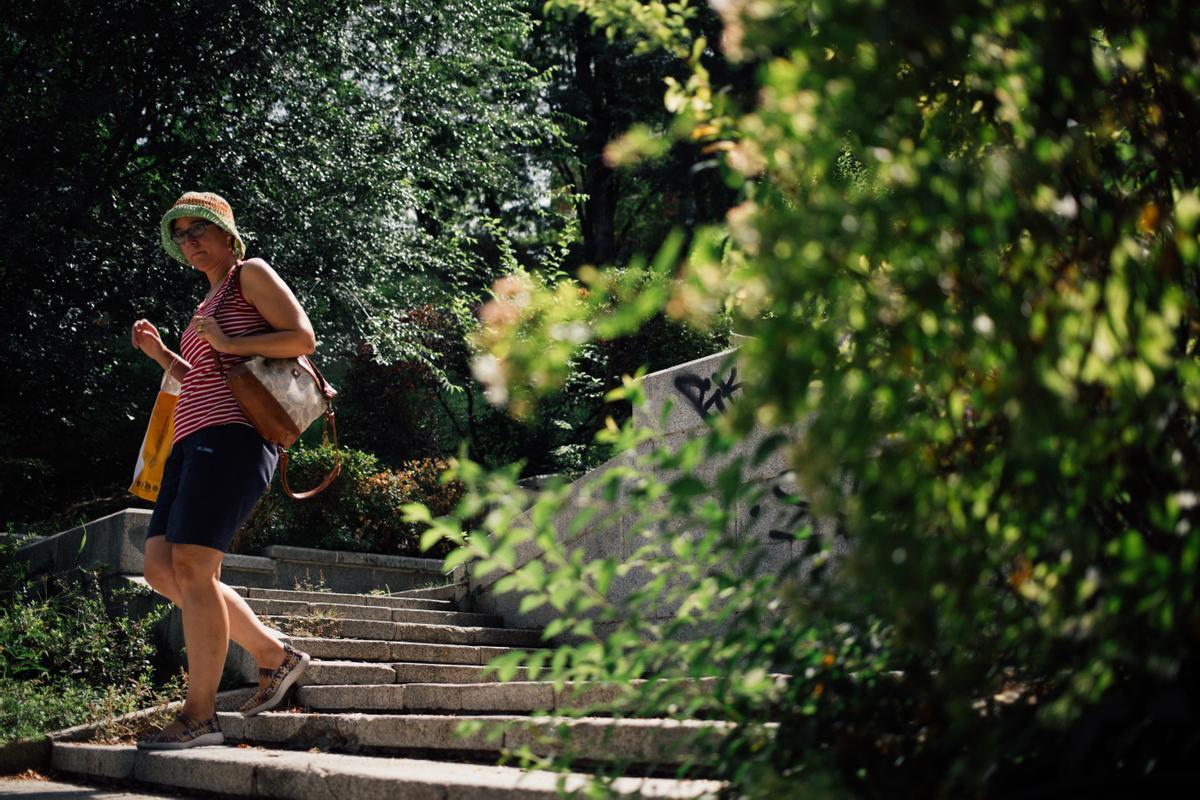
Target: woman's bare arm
[[145, 337]]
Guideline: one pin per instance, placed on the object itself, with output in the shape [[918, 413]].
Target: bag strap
[[328, 424], [235, 275]]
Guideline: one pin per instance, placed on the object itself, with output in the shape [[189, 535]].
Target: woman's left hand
[[208, 329]]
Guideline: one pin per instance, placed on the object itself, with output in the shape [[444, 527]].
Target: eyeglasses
[[193, 232]]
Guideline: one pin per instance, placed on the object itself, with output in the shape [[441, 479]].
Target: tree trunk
[[599, 181]]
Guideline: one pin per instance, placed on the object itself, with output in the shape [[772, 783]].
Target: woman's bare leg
[[205, 625], [244, 626]]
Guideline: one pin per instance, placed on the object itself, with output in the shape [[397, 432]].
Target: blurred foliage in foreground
[[967, 252]]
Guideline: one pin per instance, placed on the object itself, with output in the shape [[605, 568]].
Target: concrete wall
[[112, 544], [680, 404], [115, 544]]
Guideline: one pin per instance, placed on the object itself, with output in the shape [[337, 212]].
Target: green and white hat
[[206, 206]]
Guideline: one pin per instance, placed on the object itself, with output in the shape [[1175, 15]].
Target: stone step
[[46, 789], [298, 775], [330, 672], [380, 650], [446, 592], [418, 632], [347, 571], [634, 741], [513, 696], [380, 613], [489, 696], [379, 600]]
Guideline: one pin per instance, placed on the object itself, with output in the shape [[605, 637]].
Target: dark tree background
[[370, 151]]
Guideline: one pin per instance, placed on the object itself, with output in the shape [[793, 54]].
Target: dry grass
[[308, 585], [28, 775], [318, 624], [160, 707]]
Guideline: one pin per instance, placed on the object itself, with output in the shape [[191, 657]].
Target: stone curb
[[446, 697], [445, 673], [380, 650], [313, 556], [24, 754], [253, 772], [335, 672], [641, 741], [447, 592]]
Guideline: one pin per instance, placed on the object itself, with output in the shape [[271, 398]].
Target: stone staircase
[[394, 675], [376, 714]]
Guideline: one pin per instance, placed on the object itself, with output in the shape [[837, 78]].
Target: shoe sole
[[204, 740], [286, 684]]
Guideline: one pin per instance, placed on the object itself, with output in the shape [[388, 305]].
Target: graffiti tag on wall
[[705, 394], [784, 515], [789, 513]]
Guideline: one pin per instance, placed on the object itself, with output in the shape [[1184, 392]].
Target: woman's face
[[206, 247]]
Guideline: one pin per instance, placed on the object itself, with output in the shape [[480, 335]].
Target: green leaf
[[430, 537], [605, 571], [582, 520], [416, 512], [530, 602], [457, 558], [555, 627]]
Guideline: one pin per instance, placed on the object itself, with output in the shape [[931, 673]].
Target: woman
[[219, 466]]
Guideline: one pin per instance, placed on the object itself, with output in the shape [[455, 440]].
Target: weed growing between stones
[[317, 624], [29, 775], [122, 721], [306, 584]]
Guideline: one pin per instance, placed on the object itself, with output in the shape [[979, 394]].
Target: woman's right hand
[[145, 338]]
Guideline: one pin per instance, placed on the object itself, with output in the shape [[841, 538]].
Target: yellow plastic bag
[[156, 446]]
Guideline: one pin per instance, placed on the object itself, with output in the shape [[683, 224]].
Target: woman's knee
[[192, 571], [161, 577], [157, 570]]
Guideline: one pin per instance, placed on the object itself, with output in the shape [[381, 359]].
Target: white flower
[[573, 332], [488, 370]]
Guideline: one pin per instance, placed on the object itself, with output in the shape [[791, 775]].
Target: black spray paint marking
[[696, 390], [795, 512]]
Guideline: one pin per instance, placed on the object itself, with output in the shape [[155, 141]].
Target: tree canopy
[[363, 146]]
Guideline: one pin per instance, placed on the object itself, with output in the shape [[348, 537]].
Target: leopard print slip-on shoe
[[194, 734], [281, 679]]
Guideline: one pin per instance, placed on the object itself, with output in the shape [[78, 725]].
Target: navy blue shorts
[[210, 483]]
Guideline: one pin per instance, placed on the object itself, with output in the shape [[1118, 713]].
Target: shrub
[[69, 655], [397, 409], [360, 511], [425, 403]]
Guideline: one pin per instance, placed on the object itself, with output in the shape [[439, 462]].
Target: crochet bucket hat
[[206, 206]]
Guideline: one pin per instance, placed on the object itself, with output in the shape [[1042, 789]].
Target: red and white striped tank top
[[204, 399]]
